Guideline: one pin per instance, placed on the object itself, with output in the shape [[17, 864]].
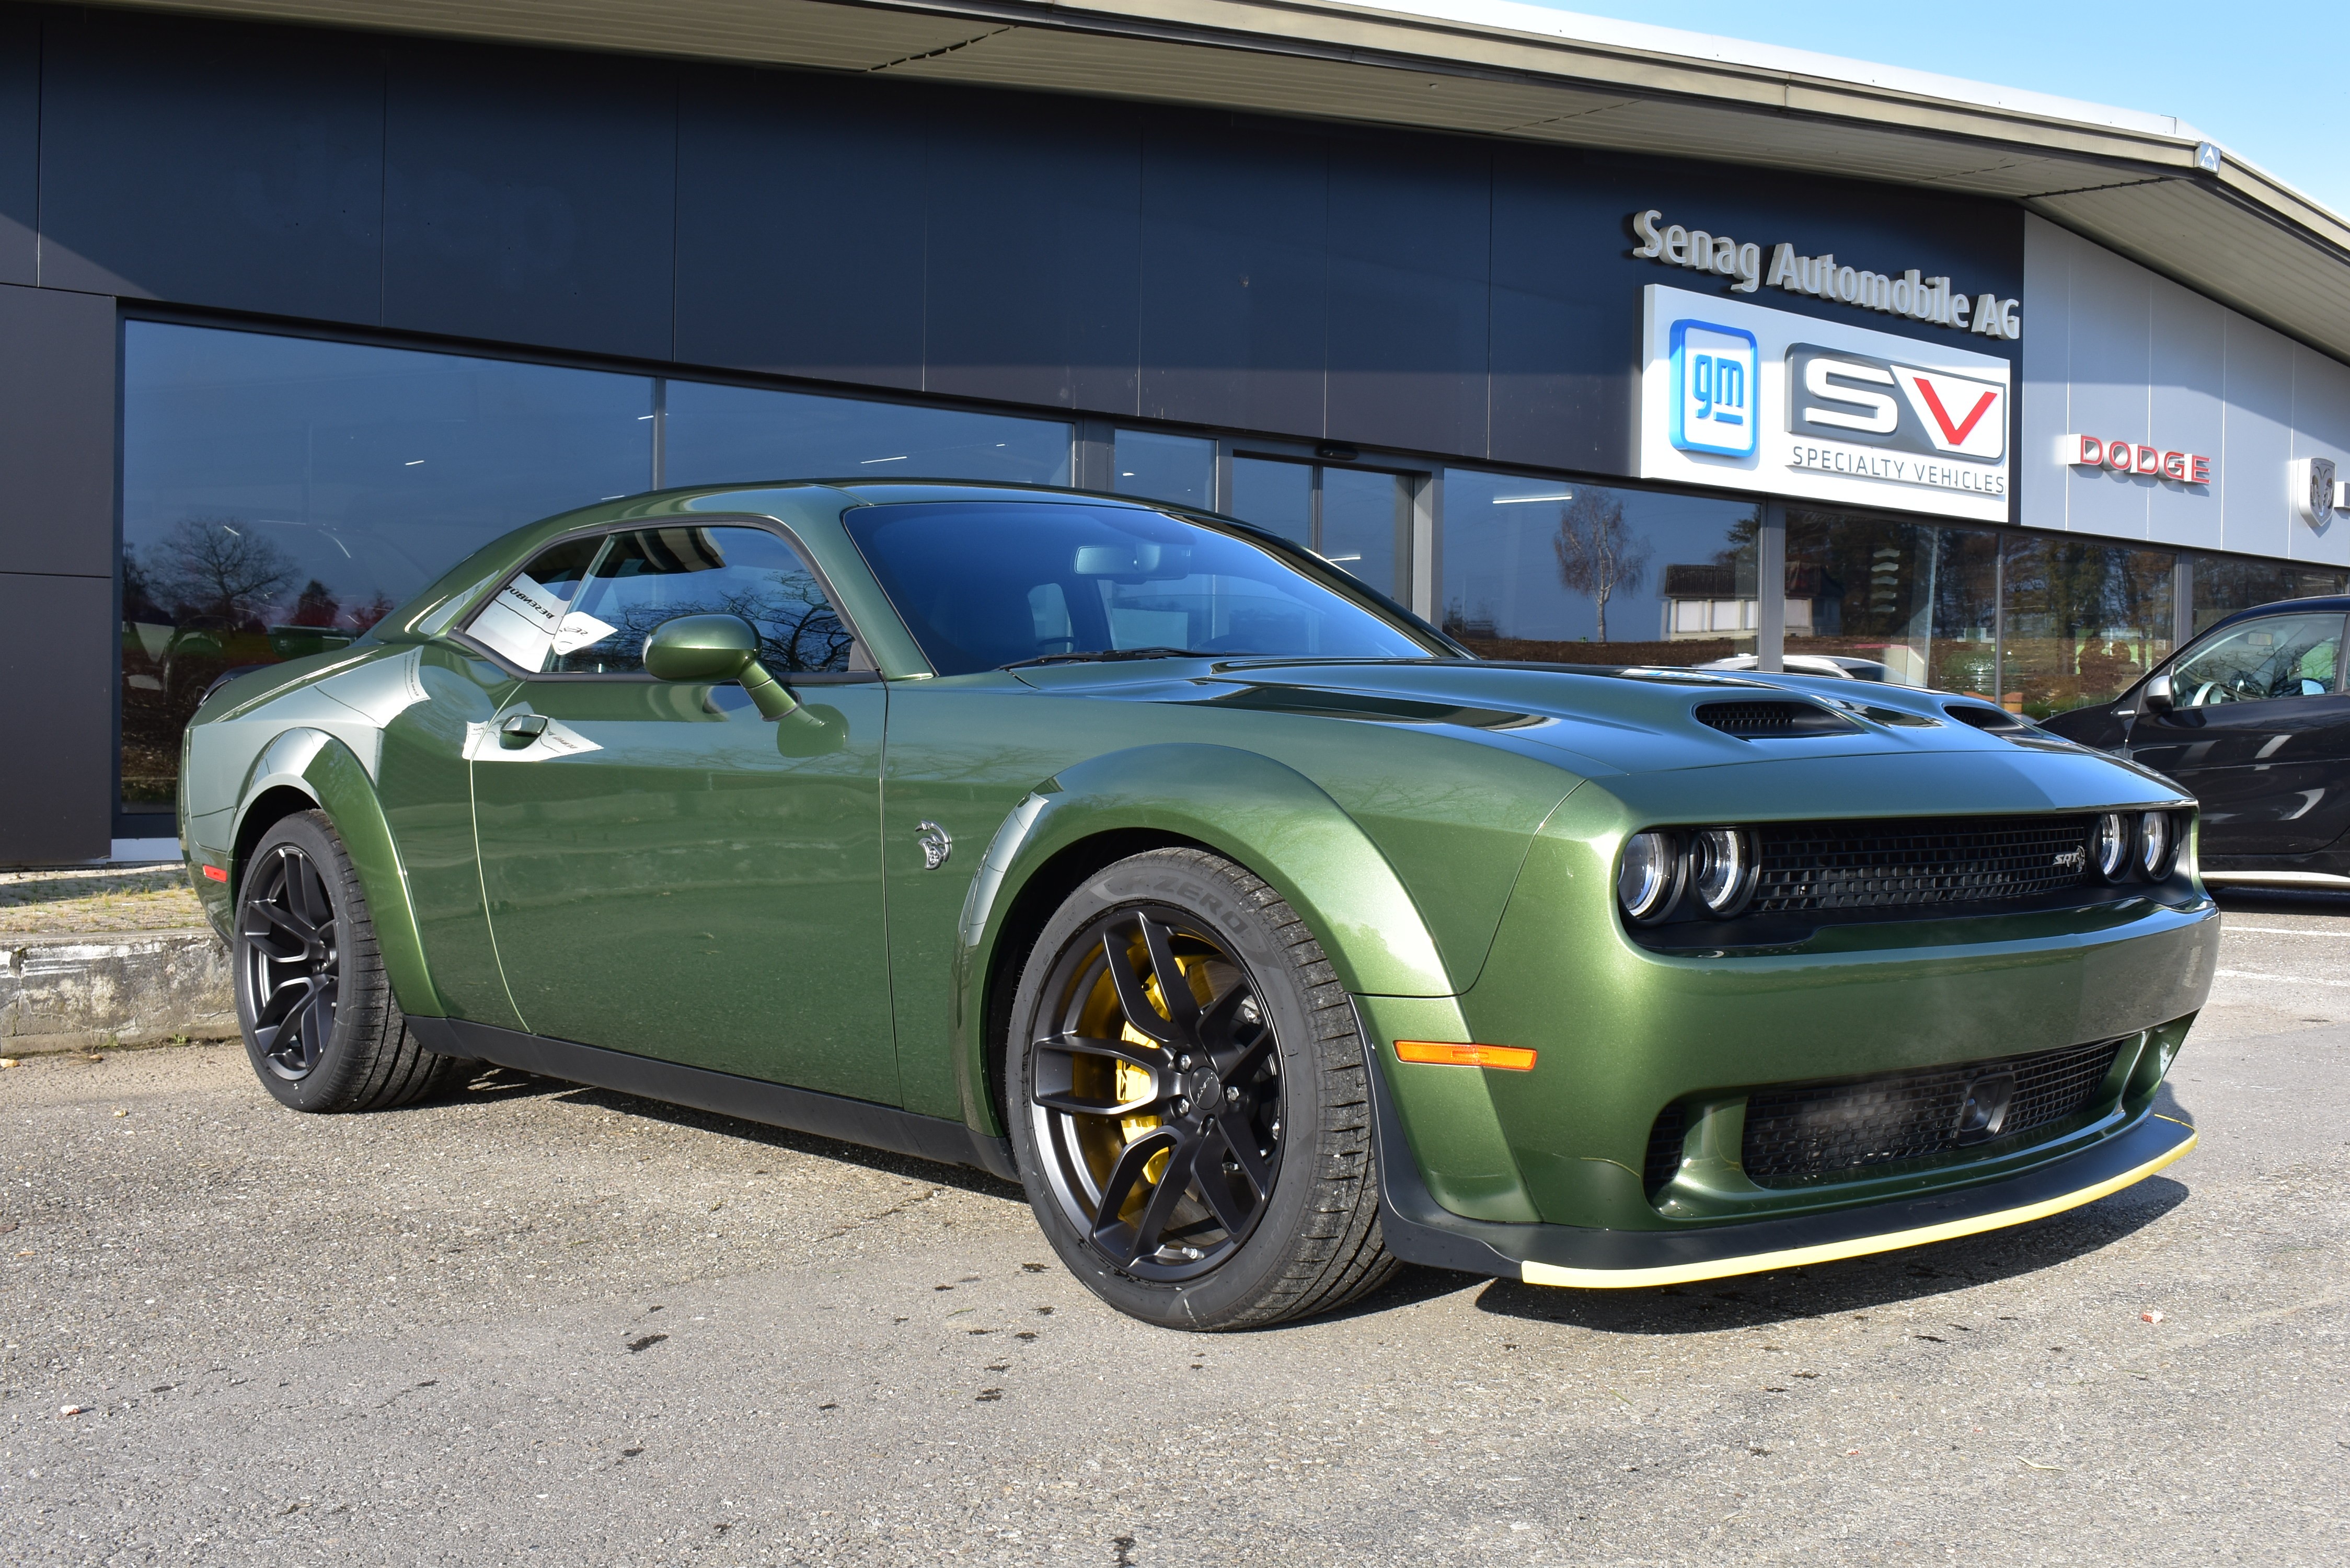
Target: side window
[[648, 575], [2275, 656], [532, 615]]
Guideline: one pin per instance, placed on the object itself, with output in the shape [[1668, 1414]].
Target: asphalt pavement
[[538, 1324]]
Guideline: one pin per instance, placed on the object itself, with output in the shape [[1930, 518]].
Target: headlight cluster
[[2126, 847], [1714, 866]]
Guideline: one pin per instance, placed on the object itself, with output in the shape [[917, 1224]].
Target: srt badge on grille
[[2070, 860]]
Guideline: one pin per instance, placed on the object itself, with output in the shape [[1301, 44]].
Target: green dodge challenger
[[1267, 937]]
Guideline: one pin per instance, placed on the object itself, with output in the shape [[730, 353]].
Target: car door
[[668, 873], [2259, 732]]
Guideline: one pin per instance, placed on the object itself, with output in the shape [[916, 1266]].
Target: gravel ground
[[541, 1323], [98, 899]]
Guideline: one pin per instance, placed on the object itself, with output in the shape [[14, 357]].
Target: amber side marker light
[[1510, 1058], [216, 872]]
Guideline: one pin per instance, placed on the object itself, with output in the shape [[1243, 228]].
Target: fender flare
[[1262, 814], [314, 763]]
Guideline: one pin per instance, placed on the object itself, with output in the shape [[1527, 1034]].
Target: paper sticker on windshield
[[519, 624], [578, 630]]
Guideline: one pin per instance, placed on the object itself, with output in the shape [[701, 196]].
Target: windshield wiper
[[1114, 654]]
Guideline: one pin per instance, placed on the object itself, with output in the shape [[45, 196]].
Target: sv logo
[[1833, 395]]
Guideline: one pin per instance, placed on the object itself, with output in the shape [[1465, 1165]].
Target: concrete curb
[[80, 993]]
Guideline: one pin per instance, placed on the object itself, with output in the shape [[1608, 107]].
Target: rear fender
[[314, 765]]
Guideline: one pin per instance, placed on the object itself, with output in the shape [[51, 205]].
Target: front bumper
[[1421, 1230]]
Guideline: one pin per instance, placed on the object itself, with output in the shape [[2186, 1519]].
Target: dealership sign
[[1906, 294], [2126, 456], [1741, 397]]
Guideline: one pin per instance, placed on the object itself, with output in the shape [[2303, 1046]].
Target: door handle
[[521, 728]]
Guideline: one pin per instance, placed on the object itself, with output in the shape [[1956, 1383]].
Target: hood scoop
[[1771, 721]]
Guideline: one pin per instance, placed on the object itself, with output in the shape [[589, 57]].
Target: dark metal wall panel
[[531, 196], [239, 167], [1235, 273], [799, 238], [1565, 352], [1410, 254], [20, 145], [57, 792], [57, 432], [56, 575], [1035, 212]]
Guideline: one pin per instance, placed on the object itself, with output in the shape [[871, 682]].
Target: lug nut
[[1232, 1092], [1182, 1107], [1184, 1063]]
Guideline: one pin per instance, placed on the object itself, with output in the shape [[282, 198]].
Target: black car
[[2252, 720]]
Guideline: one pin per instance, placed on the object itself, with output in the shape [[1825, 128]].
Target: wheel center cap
[[1207, 1092]]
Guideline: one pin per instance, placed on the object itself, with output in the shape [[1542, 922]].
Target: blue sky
[[2262, 78]]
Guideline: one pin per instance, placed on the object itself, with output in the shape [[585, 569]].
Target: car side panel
[[2273, 777], [422, 781]]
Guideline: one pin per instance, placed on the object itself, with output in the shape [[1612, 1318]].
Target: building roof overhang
[[2145, 185]]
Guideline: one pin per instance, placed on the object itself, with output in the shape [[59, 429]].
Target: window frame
[[858, 653]]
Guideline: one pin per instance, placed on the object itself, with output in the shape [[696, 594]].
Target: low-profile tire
[[1204, 1160], [321, 1027]]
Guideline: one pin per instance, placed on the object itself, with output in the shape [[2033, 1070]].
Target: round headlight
[[2154, 844], [1721, 869], [2109, 847], [1644, 884]]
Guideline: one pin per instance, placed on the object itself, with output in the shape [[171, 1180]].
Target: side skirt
[[753, 1099]]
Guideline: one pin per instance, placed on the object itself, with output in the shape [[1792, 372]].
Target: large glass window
[[1577, 573], [2085, 620], [1356, 518], [1912, 603], [282, 494], [730, 435], [984, 583], [1159, 467], [2226, 584]]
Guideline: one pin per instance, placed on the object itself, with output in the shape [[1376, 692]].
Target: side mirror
[[2156, 698], [712, 648]]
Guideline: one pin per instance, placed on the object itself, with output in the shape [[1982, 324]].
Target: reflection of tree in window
[[2083, 620], [1596, 554], [213, 568], [654, 574]]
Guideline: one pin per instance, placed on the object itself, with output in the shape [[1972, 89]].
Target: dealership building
[[1590, 341]]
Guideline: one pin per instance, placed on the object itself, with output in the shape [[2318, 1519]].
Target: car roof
[[2337, 604]]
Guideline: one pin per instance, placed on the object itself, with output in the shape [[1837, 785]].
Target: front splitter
[[1419, 1231]]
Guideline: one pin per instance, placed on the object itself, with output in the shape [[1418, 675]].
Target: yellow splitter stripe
[[1891, 1240]]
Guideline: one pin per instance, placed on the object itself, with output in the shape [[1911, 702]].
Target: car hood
[[1595, 720]]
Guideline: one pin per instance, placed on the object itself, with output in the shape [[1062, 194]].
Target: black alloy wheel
[[293, 966], [1158, 1098], [321, 1025], [1188, 1091]]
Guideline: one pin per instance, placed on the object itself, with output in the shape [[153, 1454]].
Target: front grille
[[1802, 1133], [1916, 862]]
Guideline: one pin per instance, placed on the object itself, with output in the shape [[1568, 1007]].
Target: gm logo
[[1833, 394], [1715, 374]]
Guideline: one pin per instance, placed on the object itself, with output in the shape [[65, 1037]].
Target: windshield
[[984, 583]]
